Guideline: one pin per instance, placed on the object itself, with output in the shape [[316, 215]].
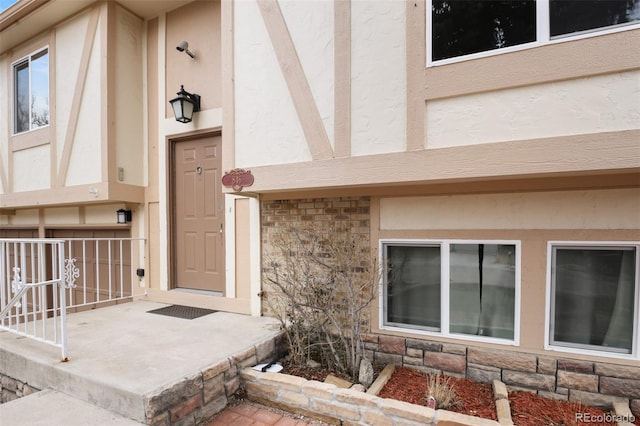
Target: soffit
[[27, 18]]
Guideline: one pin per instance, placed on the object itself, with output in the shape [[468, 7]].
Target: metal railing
[[101, 271], [40, 279], [32, 296]]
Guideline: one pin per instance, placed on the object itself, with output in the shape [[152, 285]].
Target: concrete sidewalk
[[128, 361]]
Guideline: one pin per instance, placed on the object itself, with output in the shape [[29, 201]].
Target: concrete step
[[143, 366], [52, 408]]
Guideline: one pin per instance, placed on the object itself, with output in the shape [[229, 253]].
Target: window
[[462, 288], [471, 28], [593, 297], [31, 91]]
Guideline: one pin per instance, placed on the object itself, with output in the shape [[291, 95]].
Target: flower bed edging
[[335, 405]]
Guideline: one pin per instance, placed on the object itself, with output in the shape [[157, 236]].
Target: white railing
[[40, 279], [32, 296], [102, 270]]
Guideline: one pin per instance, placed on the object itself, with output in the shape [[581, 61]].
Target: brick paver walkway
[[246, 414]]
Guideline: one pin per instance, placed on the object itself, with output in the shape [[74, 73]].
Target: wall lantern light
[[184, 105], [124, 216]]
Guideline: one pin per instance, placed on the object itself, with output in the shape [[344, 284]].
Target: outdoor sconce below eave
[[123, 216], [184, 105]]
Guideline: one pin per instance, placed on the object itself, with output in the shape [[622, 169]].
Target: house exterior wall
[[531, 147], [113, 69], [75, 158]]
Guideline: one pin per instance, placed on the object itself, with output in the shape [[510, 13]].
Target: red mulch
[[476, 399], [529, 409]]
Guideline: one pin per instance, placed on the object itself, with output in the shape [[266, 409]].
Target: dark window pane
[[463, 27], [413, 286], [570, 16], [593, 293], [482, 289], [22, 97]]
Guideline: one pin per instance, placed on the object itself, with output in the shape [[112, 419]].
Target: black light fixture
[[123, 216], [184, 105]]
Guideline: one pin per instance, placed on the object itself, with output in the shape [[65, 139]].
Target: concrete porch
[[145, 367]]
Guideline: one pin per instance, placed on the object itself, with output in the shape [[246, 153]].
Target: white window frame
[[444, 290], [14, 82], [635, 345], [542, 36]]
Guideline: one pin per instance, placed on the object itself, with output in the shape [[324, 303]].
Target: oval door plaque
[[237, 179]]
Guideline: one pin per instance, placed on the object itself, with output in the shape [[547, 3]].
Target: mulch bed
[[476, 399]]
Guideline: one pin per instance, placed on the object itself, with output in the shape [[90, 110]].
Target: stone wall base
[[11, 389], [196, 399], [340, 406], [596, 384]]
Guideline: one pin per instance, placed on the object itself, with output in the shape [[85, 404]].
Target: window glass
[[40, 90], [32, 92], [413, 286], [593, 298], [566, 17], [22, 97], [465, 27], [482, 289]]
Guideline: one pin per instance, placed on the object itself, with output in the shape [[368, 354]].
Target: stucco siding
[[67, 47], [311, 27], [267, 129], [32, 169], [587, 105], [598, 209], [379, 77], [129, 100]]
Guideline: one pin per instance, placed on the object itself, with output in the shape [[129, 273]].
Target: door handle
[[221, 231]]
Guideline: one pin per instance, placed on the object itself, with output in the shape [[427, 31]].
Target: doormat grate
[[179, 311]]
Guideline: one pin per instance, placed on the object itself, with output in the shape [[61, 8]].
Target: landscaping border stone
[[339, 406]]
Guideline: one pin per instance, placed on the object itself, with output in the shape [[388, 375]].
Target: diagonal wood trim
[[77, 97], [342, 78], [295, 78]]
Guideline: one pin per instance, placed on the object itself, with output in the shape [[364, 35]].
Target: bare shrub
[[440, 388], [323, 281]]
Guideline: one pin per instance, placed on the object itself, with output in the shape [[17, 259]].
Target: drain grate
[[180, 311]]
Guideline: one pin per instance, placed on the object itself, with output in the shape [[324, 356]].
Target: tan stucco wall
[[198, 23], [603, 103], [533, 219], [601, 209], [129, 86]]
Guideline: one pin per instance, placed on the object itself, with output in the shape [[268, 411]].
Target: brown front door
[[198, 214]]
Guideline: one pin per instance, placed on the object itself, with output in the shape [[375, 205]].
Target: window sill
[[452, 336], [30, 139]]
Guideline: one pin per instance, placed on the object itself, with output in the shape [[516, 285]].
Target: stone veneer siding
[[191, 400], [591, 383], [11, 389], [335, 405], [195, 399]]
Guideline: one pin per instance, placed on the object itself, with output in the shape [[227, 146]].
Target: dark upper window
[[459, 28]]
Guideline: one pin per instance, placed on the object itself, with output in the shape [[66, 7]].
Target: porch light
[[123, 216], [184, 105]]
